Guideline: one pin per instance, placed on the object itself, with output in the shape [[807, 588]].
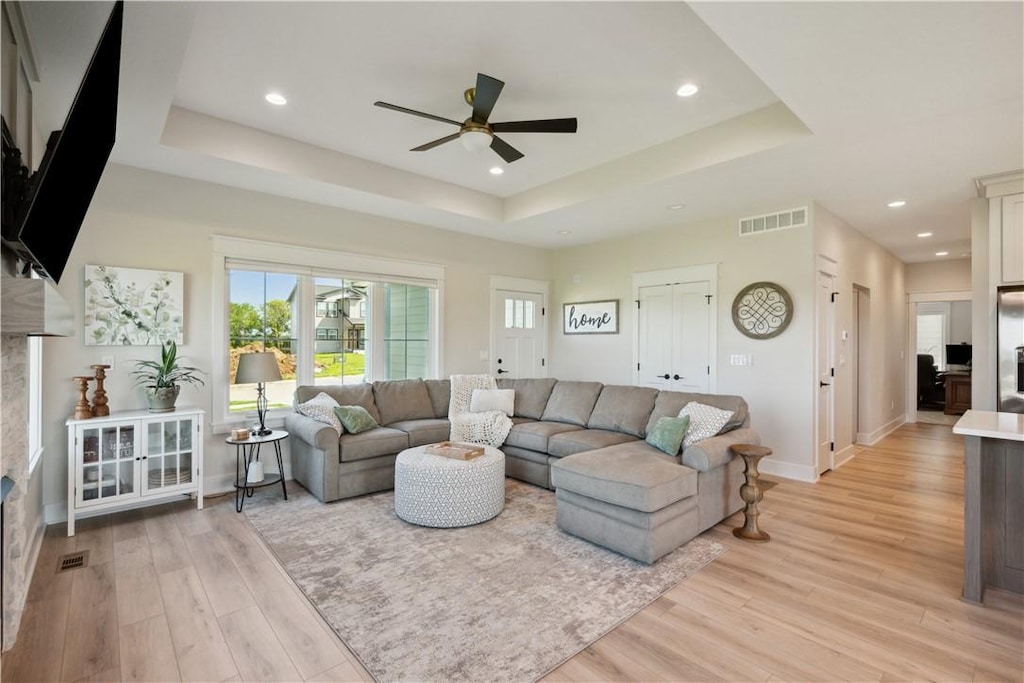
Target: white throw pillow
[[321, 408], [705, 421], [493, 399]]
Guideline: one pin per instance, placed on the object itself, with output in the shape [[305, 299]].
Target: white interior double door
[[675, 331]]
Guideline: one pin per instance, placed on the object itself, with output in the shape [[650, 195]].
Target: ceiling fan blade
[[539, 126], [505, 150], [435, 143], [395, 107], [487, 91]]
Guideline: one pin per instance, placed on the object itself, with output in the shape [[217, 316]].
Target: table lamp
[[257, 368]]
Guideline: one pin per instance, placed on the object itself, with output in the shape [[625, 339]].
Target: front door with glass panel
[[108, 464], [518, 334]]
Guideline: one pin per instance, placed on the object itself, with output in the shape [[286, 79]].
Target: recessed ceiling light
[[924, 234], [565, 232], [276, 98], [942, 253], [497, 170], [688, 90], [896, 204], [676, 207]]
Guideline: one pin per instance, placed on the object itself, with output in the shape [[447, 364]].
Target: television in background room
[[958, 355], [46, 210]]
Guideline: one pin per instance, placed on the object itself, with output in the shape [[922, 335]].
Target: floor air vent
[[73, 561], [793, 218]]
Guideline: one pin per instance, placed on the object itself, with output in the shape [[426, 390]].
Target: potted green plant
[[163, 380]]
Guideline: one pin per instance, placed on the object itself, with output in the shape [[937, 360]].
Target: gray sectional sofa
[[585, 440]]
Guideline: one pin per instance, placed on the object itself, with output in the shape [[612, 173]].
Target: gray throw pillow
[[355, 418], [668, 433]]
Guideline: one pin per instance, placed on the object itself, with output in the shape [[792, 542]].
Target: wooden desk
[[958, 392]]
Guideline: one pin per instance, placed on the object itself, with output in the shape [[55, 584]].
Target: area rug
[[506, 600]]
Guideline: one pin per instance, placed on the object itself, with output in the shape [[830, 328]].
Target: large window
[[406, 331], [260, 314], [933, 331], [329, 318], [339, 355]]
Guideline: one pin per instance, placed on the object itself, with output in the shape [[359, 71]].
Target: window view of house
[[340, 321]]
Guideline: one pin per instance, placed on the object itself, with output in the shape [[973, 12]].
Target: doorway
[[941, 336], [860, 361]]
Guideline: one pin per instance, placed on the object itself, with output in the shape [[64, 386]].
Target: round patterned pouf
[[435, 491]]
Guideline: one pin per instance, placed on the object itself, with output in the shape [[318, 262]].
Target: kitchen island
[[993, 502]]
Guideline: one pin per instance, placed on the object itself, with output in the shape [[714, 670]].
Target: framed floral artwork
[[133, 307]]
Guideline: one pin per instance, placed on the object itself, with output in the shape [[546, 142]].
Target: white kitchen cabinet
[[132, 458]]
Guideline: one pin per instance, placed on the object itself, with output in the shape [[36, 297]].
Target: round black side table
[[247, 451]]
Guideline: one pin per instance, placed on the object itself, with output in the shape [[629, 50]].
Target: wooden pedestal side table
[[750, 491]]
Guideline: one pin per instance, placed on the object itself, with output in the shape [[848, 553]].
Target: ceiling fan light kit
[[476, 133]]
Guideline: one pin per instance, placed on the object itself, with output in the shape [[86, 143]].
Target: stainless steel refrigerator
[[1010, 348]]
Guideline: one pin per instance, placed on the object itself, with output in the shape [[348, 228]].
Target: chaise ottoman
[[627, 498]]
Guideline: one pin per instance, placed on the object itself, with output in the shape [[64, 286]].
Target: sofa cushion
[[440, 391], [371, 444], [668, 434], [355, 419], [534, 435], [568, 443], [402, 399], [345, 394], [705, 421], [502, 400], [321, 408], [623, 409], [669, 403], [422, 432], [572, 402], [625, 476], [531, 394]]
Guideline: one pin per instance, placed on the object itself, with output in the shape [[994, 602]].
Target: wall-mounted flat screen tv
[[47, 224]]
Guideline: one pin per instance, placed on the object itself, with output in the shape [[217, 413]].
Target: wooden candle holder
[[82, 409], [99, 397]]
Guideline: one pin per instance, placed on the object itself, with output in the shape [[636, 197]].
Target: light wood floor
[[860, 582]]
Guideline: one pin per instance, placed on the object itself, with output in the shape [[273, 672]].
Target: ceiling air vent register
[[792, 218]]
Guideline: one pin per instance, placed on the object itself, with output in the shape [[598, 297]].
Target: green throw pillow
[[667, 434], [355, 418]]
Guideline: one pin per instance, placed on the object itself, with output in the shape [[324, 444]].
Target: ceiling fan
[[476, 132]]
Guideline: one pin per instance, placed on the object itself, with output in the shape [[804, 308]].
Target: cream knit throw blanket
[[490, 427]]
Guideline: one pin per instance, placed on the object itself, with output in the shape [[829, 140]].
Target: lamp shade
[[254, 368]]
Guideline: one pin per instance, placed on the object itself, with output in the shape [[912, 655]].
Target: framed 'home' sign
[[591, 317]]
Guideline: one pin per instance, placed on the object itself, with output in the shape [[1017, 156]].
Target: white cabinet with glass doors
[[131, 458]]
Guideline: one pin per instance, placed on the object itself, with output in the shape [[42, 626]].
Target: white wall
[[939, 276], [778, 386], [863, 263], [141, 219], [959, 322]]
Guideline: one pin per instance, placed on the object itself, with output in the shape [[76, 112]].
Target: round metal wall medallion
[[762, 310]]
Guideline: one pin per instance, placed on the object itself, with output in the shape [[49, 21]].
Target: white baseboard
[[871, 438], [57, 513], [788, 470], [844, 456]]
